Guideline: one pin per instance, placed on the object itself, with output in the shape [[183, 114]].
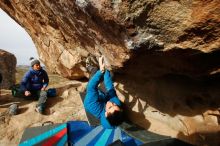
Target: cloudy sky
[[14, 39]]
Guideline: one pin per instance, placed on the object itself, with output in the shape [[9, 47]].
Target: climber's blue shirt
[[95, 99], [34, 80]]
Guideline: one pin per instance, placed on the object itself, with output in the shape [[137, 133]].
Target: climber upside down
[[105, 106]]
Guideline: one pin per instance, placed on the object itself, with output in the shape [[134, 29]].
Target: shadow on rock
[[52, 101], [202, 138], [22, 110], [184, 82]]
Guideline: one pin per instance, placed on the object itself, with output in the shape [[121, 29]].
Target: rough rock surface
[[7, 69], [165, 55], [66, 32], [174, 105]]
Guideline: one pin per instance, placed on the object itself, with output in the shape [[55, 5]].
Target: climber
[[34, 84], [104, 106]]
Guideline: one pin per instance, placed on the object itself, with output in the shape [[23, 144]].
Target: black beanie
[[34, 61]]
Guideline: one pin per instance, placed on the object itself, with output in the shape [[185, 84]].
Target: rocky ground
[[192, 121], [65, 107]]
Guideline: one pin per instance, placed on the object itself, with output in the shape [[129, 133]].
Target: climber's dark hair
[[116, 118]]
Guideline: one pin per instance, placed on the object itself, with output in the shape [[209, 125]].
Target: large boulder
[[66, 32], [165, 55], [7, 69]]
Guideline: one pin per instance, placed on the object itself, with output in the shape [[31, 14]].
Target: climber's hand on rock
[[101, 64]]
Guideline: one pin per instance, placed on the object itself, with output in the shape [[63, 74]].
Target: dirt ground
[[192, 122], [65, 107]]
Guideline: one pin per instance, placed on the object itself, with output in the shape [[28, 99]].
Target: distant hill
[[22, 66]]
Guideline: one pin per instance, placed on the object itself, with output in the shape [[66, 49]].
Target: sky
[[14, 39]]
